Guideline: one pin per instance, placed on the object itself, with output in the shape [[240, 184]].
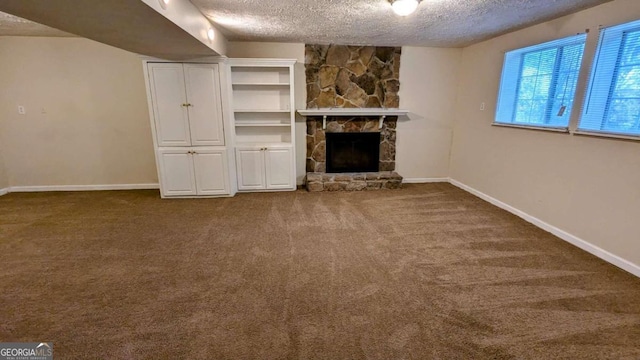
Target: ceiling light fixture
[[211, 34], [163, 3], [404, 7]]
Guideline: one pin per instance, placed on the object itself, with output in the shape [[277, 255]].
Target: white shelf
[[261, 84], [262, 143], [257, 124], [263, 95], [264, 134], [257, 63], [261, 111]]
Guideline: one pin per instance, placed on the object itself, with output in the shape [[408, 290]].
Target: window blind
[[612, 100], [538, 83]]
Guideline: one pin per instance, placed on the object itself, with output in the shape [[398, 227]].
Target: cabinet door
[[279, 168], [169, 104], [205, 110], [176, 172], [250, 168], [211, 171]]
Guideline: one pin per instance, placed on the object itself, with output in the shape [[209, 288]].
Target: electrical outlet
[[482, 106], [21, 110]]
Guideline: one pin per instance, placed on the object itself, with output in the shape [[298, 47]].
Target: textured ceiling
[[451, 23], [15, 26], [447, 23]]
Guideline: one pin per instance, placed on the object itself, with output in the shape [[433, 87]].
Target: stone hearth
[[353, 181]]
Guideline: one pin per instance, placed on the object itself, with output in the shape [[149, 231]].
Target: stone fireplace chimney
[[352, 76], [363, 77]]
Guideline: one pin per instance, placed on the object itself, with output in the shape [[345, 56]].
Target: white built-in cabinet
[[262, 92], [264, 168], [223, 126], [186, 103], [193, 171]]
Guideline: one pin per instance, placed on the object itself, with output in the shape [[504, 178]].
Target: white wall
[[586, 186], [428, 78], [87, 121]]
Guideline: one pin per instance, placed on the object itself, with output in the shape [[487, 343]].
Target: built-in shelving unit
[[263, 97], [263, 116]]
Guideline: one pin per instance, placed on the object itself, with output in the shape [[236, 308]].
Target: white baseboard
[[4, 191], [572, 239], [82, 187], [424, 180]]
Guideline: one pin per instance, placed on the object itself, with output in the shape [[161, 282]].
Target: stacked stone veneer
[[318, 180], [316, 141], [352, 76]]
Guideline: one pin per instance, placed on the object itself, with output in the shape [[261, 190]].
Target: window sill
[[530, 127], [606, 135]]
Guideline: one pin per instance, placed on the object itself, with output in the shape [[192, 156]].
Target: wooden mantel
[[324, 112]]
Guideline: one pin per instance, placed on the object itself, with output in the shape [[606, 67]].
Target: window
[[612, 103], [538, 83]]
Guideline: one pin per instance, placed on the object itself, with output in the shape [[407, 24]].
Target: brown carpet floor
[[426, 272]]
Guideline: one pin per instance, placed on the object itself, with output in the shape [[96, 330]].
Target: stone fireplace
[[352, 151], [319, 179]]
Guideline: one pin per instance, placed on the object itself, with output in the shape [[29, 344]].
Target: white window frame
[[505, 114]]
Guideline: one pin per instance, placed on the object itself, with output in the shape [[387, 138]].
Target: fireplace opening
[[353, 152]]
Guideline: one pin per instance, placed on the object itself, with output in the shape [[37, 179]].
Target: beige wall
[[87, 121], [428, 78], [585, 186]]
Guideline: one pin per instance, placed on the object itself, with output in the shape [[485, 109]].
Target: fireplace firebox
[[353, 152]]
